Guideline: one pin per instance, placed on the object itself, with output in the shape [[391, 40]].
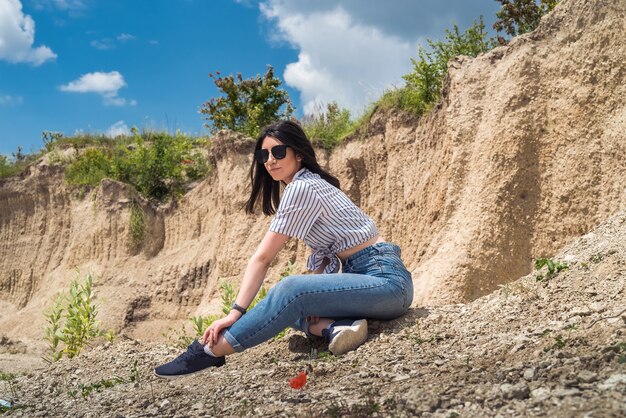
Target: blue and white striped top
[[323, 217]]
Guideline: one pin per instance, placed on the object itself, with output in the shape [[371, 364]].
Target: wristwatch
[[238, 308]]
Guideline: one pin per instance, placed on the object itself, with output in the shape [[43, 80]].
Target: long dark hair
[[289, 133]]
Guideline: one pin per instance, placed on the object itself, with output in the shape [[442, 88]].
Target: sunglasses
[[278, 152]]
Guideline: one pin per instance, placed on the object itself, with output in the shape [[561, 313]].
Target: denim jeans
[[374, 283]]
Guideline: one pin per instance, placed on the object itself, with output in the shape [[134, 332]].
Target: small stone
[[587, 376], [612, 381], [165, 403], [540, 393], [517, 391], [529, 374]]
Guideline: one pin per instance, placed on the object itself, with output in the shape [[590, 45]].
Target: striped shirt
[[323, 217]]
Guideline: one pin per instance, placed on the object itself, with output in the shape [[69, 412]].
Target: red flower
[[298, 381]]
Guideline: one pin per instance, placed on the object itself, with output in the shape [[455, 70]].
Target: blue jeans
[[374, 283]]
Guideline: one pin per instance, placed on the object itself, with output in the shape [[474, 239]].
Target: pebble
[[517, 391], [529, 374], [612, 382], [587, 376]]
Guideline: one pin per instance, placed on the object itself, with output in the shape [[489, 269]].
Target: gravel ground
[[550, 347]]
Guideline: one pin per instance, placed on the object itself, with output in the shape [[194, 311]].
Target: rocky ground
[[549, 347]]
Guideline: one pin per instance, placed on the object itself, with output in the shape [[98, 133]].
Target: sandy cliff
[[526, 151]]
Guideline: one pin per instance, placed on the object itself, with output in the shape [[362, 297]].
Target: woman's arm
[[258, 265], [253, 277]]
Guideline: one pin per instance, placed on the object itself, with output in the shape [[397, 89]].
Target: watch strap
[[238, 308]]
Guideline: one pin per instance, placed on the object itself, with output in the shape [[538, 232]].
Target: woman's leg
[[344, 295]]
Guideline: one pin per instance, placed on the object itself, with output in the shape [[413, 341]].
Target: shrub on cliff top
[[247, 105], [424, 84], [156, 164], [330, 125], [521, 16]]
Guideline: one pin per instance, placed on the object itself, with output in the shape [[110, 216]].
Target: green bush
[[521, 16], [17, 163], [425, 83], [72, 321], [155, 163], [247, 105], [331, 125], [7, 168], [90, 168]]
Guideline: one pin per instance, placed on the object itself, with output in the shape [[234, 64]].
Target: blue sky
[[103, 66]]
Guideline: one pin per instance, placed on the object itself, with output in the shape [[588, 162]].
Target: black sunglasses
[[278, 151]]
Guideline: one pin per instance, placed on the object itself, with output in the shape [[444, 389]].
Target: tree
[[521, 16], [247, 105]]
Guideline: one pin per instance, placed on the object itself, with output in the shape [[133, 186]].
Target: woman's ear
[[298, 157]]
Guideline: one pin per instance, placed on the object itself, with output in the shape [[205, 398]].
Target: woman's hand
[[212, 333]]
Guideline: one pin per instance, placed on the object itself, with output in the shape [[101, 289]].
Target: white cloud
[[66, 5], [17, 35], [6, 100], [106, 85], [109, 43], [123, 37], [339, 59], [117, 129], [103, 44]]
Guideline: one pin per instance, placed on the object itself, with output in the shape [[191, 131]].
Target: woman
[[374, 283]]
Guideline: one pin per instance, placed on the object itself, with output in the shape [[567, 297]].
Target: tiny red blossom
[[299, 381]]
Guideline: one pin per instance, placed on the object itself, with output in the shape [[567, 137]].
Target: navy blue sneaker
[[192, 361], [345, 335]]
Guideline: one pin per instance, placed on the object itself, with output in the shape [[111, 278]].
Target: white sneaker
[[345, 335]]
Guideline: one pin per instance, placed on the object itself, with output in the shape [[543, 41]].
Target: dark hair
[[291, 134]]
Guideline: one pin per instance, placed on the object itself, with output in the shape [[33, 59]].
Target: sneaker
[[345, 335], [193, 360]]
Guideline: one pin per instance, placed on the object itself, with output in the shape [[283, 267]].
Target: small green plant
[[78, 318], [596, 258], [137, 223], [50, 138], [201, 323], [110, 335], [619, 349], [505, 290], [53, 329], [135, 375], [178, 338], [553, 267], [326, 356], [85, 390], [228, 296], [558, 344], [331, 125]]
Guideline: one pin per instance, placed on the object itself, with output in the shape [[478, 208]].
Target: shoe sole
[[349, 338]]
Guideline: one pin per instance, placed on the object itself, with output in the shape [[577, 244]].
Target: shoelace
[[191, 352]]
